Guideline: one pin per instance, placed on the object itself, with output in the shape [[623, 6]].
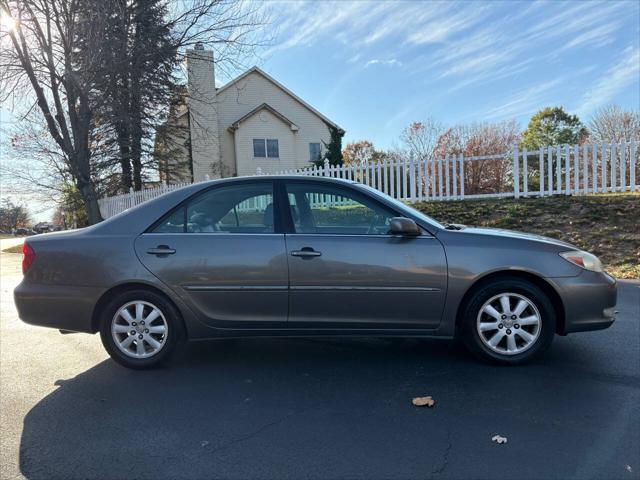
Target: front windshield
[[402, 205]]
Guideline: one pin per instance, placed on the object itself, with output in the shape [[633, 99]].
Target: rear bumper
[[62, 307], [589, 301]]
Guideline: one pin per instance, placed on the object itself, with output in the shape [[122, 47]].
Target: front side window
[[314, 152], [332, 210], [244, 208]]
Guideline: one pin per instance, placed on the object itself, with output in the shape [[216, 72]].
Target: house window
[[272, 148], [314, 152], [266, 148], [259, 149]]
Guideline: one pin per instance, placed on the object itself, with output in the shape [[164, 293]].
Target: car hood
[[498, 232]]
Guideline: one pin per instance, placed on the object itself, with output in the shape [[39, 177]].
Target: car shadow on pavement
[[325, 408]]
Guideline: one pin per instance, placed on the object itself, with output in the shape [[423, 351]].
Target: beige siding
[[265, 125], [237, 100]]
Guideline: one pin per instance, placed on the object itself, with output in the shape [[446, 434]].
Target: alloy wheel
[[139, 329], [509, 323]]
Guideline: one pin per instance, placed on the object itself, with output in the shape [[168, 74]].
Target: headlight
[[583, 260]]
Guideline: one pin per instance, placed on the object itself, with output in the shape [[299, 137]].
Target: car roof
[[251, 178]]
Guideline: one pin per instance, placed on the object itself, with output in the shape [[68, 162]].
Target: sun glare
[[7, 22]]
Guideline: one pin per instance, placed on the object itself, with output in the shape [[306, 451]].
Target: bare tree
[[13, 216], [612, 124], [481, 139], [39, 60], [421, 138], [61, 60]]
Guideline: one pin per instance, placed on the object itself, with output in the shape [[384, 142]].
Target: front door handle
[[305, 252], [161, 250]]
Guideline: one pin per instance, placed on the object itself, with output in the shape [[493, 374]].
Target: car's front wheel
[[508, 321], [139, 329]]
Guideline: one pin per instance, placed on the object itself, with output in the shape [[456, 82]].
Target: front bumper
[[589, 301]]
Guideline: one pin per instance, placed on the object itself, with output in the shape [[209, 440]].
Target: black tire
[[174, 330], [470, 311]]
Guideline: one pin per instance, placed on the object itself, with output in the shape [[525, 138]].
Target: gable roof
[[265, 106], [284, 89]]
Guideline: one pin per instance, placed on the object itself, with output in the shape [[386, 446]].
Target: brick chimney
[[203, 114]]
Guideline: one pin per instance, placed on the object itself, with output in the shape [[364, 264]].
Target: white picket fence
[[554, 170]]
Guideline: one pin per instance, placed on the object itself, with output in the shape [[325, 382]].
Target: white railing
[[555, 170]]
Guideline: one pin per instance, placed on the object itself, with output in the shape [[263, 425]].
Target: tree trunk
[[125, 158], [136, 135], [90, 200]]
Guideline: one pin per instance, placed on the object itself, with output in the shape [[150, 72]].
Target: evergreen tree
[[333, 151], [553, 126], [138, 61]]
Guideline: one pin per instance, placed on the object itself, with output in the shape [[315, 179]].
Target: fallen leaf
[[423, 402], [499, 439]]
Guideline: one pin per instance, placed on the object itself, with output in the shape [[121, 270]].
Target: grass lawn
[[606, 225]]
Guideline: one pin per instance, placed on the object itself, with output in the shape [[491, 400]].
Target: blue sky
[[374, 67]]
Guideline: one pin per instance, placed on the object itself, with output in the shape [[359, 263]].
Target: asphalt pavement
[[317, 408]]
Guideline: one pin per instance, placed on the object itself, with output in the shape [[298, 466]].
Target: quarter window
[[333, 210], [266, 148], [173, 223]]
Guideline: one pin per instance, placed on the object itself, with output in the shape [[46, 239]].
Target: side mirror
[[404, 226]]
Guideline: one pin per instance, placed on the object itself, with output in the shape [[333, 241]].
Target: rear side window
[[244, 208]]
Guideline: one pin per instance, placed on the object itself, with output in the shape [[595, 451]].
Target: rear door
[[346, 271], [220, 251]]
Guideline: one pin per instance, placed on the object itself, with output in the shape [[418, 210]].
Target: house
[[251, 122]]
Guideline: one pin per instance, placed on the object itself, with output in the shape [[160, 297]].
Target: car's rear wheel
[[139, 329], [508, 321]]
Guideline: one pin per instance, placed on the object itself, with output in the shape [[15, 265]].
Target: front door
[[220, 252], [345, 270]]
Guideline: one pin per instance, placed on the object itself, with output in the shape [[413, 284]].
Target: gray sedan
[[298, 256]]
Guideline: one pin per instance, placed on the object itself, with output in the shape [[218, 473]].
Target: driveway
[[318, 408]]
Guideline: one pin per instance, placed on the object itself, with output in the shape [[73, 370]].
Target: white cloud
[[465, 42], [393, 62], [622, 74], [447, 25], [524, 102]]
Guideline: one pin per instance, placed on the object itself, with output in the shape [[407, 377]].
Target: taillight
[[28, 256]]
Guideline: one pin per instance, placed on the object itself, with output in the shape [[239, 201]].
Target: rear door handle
[[305, 252], [161, 250]]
